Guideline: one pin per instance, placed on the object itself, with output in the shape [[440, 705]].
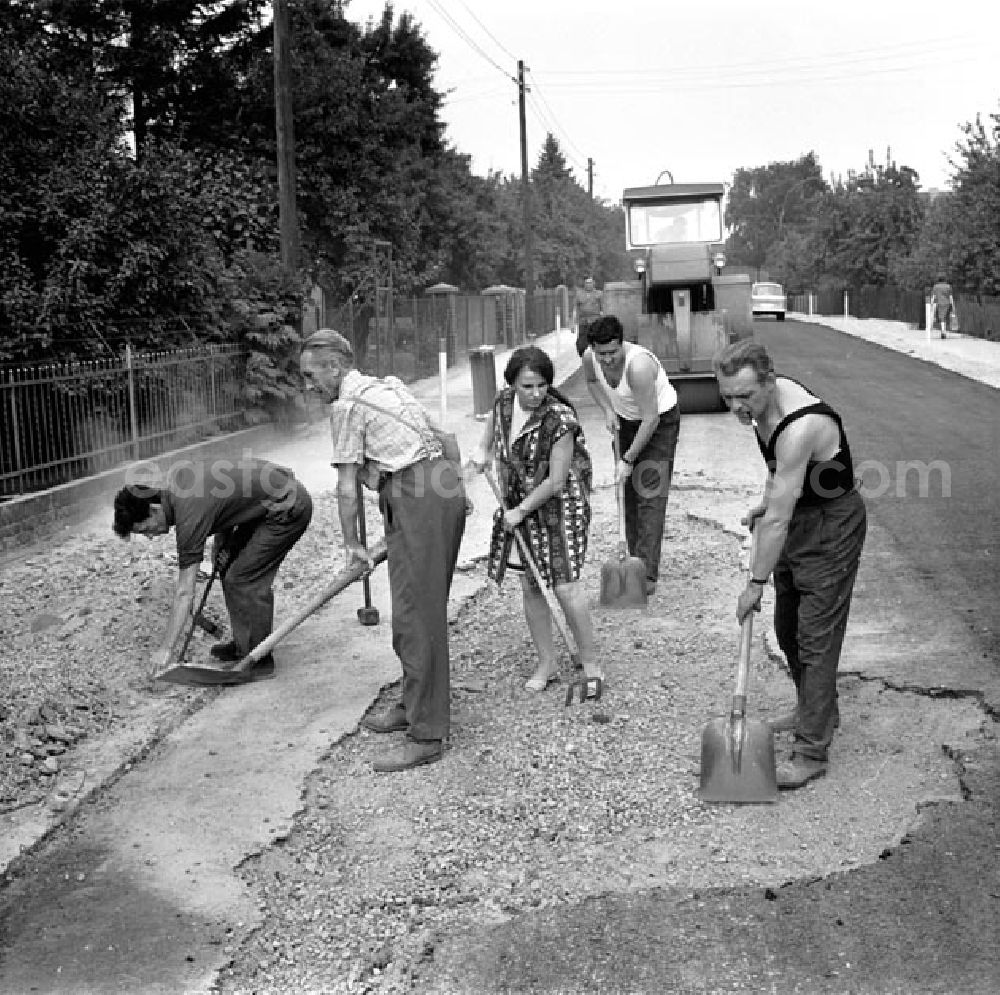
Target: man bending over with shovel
[[810, 528], [256, 510], [630, 386], [383, 435]]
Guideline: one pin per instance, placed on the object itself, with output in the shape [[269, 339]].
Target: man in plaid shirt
[[383, 435]]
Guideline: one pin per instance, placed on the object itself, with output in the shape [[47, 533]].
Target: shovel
[[737, 753], [238, 672], [595, 684], [623, 580]]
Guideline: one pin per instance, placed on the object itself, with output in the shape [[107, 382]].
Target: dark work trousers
[[648, 488], [423, 511], [248, 583], [813, 582]]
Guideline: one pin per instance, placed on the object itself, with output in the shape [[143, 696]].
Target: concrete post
[[443, 373]]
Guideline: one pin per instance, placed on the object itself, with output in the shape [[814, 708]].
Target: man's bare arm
[[642, 376]]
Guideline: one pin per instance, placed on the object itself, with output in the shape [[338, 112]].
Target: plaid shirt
[[378, 424]]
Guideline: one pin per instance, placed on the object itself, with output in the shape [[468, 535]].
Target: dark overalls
[[814, 581]]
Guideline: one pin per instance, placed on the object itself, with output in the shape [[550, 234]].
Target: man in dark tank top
[[809, 530]]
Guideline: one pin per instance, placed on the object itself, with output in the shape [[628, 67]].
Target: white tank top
[[621, 397]]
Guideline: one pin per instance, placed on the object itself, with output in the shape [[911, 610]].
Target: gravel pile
[[535, 804], [79, 621]]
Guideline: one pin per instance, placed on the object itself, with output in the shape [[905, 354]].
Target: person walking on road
[[545, 478], [943, 304], [383, 435], [589, 307], [810, 530], [640, 405], [256, 510]]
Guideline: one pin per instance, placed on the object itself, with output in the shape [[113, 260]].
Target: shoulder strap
[[819, 408], [428, 438]]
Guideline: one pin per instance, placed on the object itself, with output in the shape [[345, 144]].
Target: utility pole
[[285, 131], [590, 177], [529, 260]]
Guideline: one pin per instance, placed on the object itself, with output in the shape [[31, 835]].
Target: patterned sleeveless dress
[[557, 531]]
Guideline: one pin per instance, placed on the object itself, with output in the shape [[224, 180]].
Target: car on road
[[768, 298]]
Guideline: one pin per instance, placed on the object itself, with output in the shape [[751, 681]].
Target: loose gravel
[[537, 806], [534, 807]]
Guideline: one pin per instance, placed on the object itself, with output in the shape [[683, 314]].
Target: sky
[[702, 89]]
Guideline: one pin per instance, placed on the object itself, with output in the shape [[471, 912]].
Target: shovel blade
[[200, 677], [623, 583], [737, 762]]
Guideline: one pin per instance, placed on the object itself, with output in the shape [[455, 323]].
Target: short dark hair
[[132, 504], [605, 329], [729, 360]]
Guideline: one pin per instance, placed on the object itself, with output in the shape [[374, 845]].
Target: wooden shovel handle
[[344, 579], [616, 445], [746, 642], [533, 567]]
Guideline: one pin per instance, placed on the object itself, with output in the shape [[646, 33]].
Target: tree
[[159, 58], [766, 203], [970, 243], [866, 224]]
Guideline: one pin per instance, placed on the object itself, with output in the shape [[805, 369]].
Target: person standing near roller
[[809, 529], [384, 435], [589, 307], [640, 404]]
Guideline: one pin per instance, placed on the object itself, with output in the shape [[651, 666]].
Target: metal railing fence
[[63, 421]]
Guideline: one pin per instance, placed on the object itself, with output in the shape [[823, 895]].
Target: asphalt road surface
[[924, 917], [899, 413]]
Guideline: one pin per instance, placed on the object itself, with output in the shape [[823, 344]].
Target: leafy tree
[[865, 224], [971, 243], [171, 61], [575, 236], [766, 203]]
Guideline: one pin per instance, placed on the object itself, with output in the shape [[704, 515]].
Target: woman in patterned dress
[[545, 476]]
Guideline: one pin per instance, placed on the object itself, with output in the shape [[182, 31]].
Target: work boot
[[414, 754], [798, 771], [228, 651], [391, 720]]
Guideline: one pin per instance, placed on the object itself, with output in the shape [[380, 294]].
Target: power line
[[922, 49], [464, 35], [541, 97], [652, 86], [546, 126], [498, 43]]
